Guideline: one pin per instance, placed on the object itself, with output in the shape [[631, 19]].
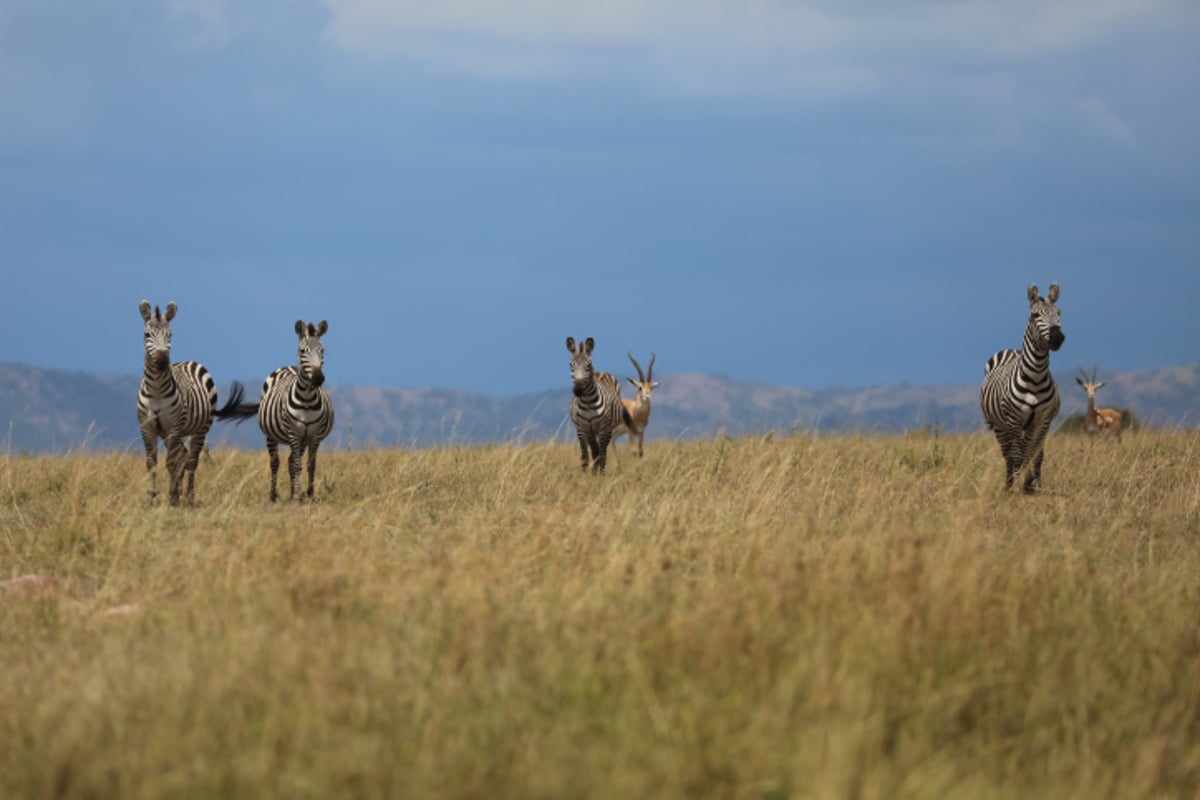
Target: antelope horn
[[641, 377], [650, 369]]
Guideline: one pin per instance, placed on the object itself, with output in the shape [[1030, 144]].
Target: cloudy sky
[[805, 193]]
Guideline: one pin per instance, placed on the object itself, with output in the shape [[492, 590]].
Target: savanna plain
[[771, 617]]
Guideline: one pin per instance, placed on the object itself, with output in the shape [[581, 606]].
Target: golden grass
[[772, 617]]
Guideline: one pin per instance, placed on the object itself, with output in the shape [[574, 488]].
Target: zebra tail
[[234, 408]]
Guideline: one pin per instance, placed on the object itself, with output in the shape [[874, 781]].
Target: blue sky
[[804, 193]]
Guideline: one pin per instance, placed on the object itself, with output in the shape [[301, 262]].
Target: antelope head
[[1098, 419], [645, 383], [1089, 385]]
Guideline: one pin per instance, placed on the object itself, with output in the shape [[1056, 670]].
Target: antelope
[[1098, 420], [639, 407]]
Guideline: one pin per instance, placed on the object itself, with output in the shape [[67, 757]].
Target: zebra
[[294, 409], [1018, 396], [175, 402], [596, 408]]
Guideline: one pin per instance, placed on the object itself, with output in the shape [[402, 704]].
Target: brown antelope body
[[1098, 420], [638, 407]]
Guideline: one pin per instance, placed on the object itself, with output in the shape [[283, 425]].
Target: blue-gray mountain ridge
[[56, 411]]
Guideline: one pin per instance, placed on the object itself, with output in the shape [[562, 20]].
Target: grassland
[[762, 618]]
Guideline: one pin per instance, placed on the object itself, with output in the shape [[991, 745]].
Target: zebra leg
[[596, 453], [273, 453], [150, 440], [602, 441], [1033, 481], [176, 462], [1014, 454], [1037, 448], [583, 451], [195, 448], [295, 467], [312, 466]]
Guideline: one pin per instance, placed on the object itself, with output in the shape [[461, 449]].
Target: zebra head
[[157, 334], [1044, 329], [645, 382], [311, 358], [581, 360]]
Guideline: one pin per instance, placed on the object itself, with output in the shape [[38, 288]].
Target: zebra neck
[[588, 392], [1035, 361], [160, 382], [304, 393]]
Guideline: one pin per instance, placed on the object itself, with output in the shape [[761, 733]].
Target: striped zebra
[[596, 408], [177, 403], [295, 410], [1018, 397]]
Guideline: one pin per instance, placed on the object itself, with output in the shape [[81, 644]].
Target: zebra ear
[[571, 344], [144, 307], [1053, 296], [299, 327], [322, 326], [171, 309], [1033, 294], [589, 345]]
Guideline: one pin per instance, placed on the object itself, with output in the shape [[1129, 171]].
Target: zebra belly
[[591, 420], [157, 413], [306, 431], [310, 424], [304, 417], [154, 406]]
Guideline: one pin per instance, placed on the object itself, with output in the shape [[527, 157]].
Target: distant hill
[[43, 410]]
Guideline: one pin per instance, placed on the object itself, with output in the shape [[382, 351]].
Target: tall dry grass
[[775, 617]]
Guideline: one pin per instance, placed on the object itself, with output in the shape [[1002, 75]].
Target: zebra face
[[581, 360], [311, 355], [157, 334], [312, 359], [581, 368], [1044, 319]]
